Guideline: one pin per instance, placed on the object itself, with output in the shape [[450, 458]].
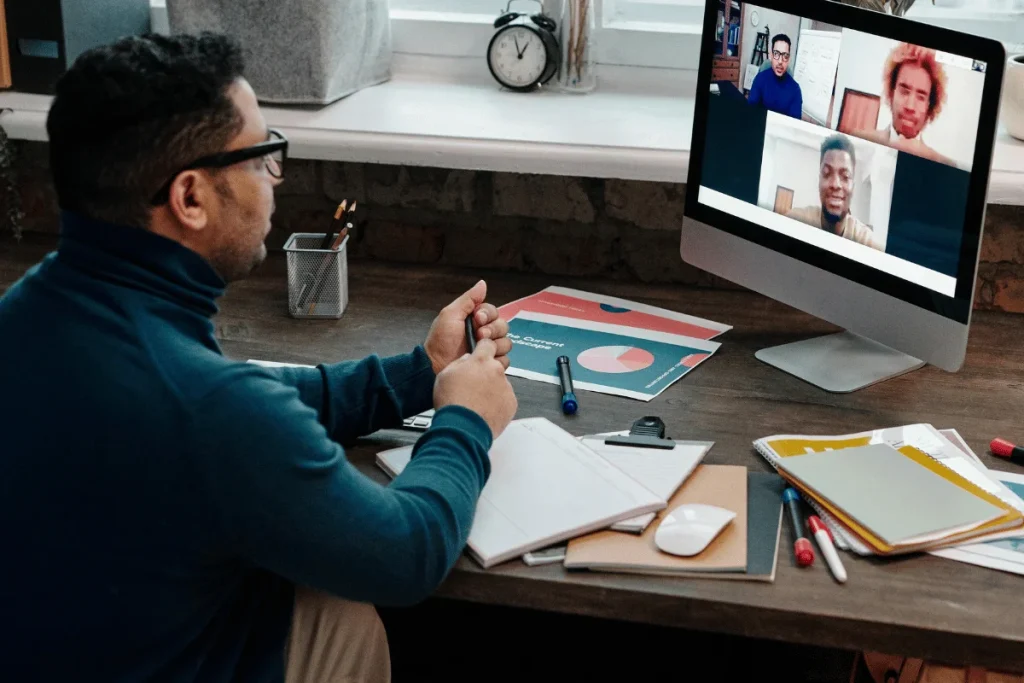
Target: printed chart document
[[599, 308], [545, 487], [610, 359], [1006, 554]]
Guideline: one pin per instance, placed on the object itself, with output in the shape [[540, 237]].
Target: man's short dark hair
[[128, 116], [784, 38], [841, 143]]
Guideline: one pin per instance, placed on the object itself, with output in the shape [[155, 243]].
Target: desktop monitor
[[839, 164]]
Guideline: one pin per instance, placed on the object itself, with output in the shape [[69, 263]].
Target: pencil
[[326, 242]]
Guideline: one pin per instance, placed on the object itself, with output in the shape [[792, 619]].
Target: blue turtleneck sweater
[[160, 501]]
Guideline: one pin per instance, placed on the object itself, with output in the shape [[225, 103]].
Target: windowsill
[[448, 112]]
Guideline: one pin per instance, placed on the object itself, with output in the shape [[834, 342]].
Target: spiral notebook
[[844, 489]]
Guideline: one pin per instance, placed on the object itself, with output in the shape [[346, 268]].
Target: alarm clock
[[523, 53]]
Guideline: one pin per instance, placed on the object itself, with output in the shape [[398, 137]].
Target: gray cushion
[[298, 51]]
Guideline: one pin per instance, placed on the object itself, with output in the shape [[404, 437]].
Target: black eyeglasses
[[274, 151], [780, 55]]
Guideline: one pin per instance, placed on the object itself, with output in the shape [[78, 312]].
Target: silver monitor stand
[[840, 362]]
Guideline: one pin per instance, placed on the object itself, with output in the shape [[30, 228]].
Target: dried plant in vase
[[576, 72]]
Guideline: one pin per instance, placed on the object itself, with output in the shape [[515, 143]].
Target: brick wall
[[549, 224]]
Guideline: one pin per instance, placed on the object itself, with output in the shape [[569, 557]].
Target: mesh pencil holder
[[317, 278]]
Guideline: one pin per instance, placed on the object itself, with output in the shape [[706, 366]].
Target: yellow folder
[[1010, 518]]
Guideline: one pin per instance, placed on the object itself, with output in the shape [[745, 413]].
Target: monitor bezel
[[958, 307]]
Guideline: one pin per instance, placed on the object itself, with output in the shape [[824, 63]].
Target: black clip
[[647, 432]]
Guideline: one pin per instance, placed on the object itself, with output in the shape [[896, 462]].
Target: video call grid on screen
[[856, 143]]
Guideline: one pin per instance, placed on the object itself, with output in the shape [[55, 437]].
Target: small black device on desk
[[647, 432]]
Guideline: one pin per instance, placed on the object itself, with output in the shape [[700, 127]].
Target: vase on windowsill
[[576, 71]]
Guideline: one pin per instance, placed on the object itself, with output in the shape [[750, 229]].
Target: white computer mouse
[[687, 529]]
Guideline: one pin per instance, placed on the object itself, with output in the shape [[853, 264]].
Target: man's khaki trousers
[[335, 641]]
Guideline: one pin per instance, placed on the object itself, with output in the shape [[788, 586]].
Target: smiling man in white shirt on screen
[[835, 189]]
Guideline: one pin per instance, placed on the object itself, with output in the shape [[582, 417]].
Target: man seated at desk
[[775, 89], [173, 514], [835, 190]]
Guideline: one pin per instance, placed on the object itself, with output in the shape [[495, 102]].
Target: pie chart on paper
[[615, 359]]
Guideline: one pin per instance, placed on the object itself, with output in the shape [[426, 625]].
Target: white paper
[[958, 441], [661, 471], [1005, 554]]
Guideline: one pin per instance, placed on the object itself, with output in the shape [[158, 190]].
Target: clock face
[[517, 57]]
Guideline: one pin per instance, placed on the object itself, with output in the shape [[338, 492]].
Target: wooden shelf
[[726, 67], [5, 57]]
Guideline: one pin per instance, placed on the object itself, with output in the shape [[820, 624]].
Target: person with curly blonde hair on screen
[[914, 87]]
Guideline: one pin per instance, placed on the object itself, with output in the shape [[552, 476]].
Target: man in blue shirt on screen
[[774, 89]]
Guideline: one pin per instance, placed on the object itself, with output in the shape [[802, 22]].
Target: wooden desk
[[921, 606]]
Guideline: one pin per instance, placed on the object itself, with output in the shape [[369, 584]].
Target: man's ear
[[191, 200]]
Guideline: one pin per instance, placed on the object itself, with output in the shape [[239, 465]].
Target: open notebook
[[545, 487]]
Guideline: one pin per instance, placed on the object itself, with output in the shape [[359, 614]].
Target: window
[[656, 33], [653, 13], [487, 7], [651, 33], [1002, 20]]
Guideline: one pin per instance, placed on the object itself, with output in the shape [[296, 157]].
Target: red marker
[[1005, 449], [802, 548]]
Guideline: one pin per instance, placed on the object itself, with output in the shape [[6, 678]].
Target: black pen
[[470, 333]]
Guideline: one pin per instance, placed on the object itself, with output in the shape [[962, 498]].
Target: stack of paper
[[896, 490], [579, 305], [615, 346], [1006, 554], [545, 487]]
